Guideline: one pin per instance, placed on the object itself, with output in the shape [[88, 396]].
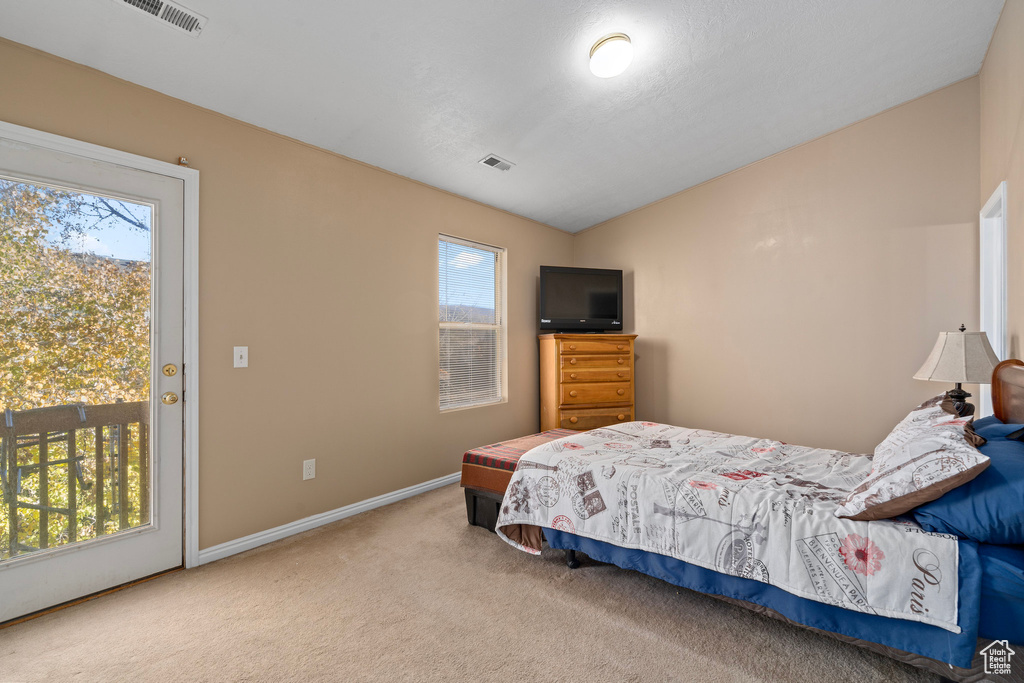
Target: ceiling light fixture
[[611, 55]]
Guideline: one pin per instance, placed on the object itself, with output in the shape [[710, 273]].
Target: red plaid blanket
[[505, 455]]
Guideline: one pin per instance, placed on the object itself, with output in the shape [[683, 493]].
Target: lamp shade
[[960, 357]]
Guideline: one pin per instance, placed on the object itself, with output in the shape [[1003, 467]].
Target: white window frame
[[993, 274], [501, 309]]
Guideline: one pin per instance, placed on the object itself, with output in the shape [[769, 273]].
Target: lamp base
[[959, 398]]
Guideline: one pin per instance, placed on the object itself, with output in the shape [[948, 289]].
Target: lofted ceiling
[[427, 89]]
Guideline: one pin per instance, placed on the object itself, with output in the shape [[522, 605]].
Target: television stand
[[586, 380]]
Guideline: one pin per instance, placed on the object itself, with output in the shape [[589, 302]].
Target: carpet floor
[[410, 592]]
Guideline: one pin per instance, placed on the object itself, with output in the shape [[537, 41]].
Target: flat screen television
[[580, 299]]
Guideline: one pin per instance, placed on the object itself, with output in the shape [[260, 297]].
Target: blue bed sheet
[[989, 508], [910, 636], [1002, 593]]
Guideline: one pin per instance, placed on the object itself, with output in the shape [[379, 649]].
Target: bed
[[757, 527]]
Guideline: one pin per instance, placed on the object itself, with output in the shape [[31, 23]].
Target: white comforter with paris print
[[748, 507]]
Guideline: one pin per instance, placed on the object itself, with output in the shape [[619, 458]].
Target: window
[[471, 321]]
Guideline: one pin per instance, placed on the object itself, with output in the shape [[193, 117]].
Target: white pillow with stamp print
[[928, 453]]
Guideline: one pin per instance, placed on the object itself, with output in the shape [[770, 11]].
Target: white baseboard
[[239, 545]]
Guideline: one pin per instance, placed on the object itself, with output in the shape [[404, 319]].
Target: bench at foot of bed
[[482, 507], [487, 470]]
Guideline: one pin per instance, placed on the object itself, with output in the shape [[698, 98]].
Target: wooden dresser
[[586, 380]]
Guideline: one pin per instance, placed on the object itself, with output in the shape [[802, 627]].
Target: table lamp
[[960, 357]]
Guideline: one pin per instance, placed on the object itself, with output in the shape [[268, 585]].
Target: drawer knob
[[621, 374], [572, 376], [572, 347], [621, 361], [572, 361], [620, 347], [574, 420], [621, 416], [620, 392], [573, 394]]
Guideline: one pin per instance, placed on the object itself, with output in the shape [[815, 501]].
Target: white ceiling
[[426, 89]]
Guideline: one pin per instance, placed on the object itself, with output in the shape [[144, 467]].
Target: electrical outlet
[[308, 469]]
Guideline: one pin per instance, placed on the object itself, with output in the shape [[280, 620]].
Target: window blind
[[471, 323]]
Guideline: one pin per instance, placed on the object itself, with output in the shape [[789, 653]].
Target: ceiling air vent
[[496, 162], [170, 14]]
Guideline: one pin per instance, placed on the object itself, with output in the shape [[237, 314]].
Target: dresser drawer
[[609, 361], [593, 346], [590, 374], [597, 392], [592, 418]]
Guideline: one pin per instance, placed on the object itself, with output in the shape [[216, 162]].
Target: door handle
[[170, 398]]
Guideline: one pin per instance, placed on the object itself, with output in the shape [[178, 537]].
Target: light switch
[[241, 356]]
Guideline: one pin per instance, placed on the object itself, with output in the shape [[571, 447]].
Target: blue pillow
[[990, 507]]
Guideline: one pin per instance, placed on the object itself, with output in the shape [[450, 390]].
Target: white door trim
[[993, 282], [190, 179]]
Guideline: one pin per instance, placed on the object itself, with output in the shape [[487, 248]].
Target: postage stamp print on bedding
[[754, 508]]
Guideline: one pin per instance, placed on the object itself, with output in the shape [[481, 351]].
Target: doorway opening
[[993, 281]]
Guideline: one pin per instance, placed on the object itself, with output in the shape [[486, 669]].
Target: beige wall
[[1002, 147], [794, 298], [327, 270]]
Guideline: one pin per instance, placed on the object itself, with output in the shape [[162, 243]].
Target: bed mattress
[[748, 507]]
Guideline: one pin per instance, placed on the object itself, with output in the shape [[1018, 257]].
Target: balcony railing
[[72, 473]]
